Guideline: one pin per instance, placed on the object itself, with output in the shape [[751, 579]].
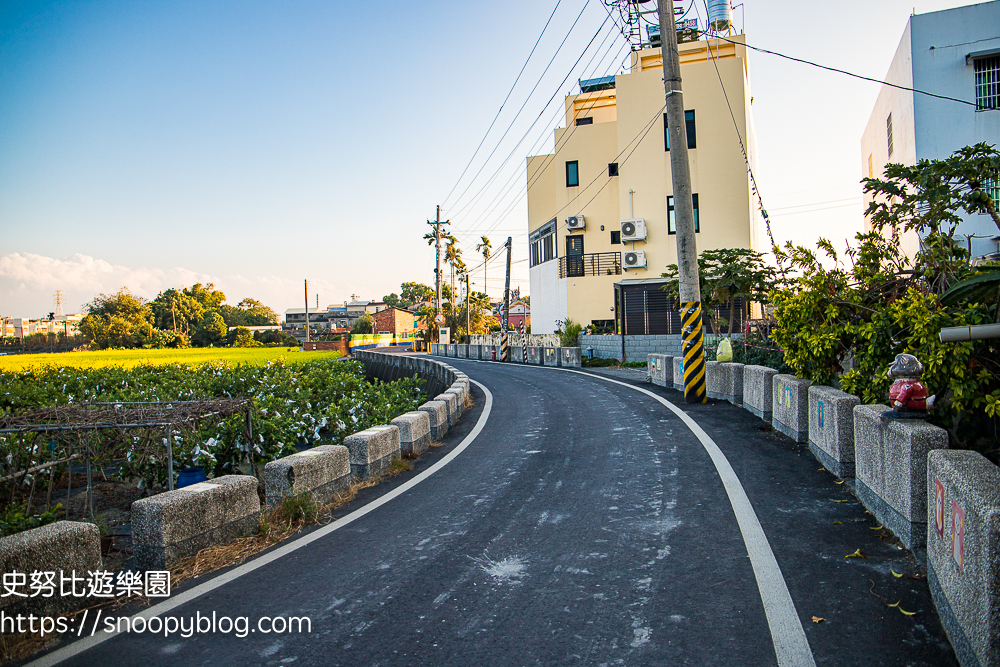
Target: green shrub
[[13, 519]]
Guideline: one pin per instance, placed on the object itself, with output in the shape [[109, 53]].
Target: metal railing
[[594, 264]]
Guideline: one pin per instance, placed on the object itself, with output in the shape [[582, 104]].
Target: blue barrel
[[190, 476]]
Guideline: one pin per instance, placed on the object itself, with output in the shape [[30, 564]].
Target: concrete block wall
[[660, 368], [891, 469], [174, 525], [323, 472], [790, 407], [963, 552], [64, 546], [678, 373], [758, 390], [831, 429], [636, 347], [724, 381]]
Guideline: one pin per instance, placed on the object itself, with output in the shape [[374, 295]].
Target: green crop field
[[131, 358]]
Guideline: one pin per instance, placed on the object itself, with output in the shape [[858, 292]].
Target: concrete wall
[[637, 348]]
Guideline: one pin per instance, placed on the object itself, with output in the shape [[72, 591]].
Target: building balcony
[[594, 264]]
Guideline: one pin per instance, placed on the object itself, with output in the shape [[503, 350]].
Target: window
[[871, 172], [616, 238], [992, 188], [543, 243], [689, 126], [585, 121], [988, 83], [612, 169], [672, 225], [572, 174], [888, 133]]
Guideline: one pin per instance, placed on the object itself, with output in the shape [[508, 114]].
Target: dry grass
[[435, 443], [275, 527]]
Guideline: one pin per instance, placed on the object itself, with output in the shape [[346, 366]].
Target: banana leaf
[[978, 289]]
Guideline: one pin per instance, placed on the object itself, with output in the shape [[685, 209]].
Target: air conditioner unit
[[635, 259], [576, 222], [633, 230]]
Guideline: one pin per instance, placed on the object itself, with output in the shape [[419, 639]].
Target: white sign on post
[[445, 335]]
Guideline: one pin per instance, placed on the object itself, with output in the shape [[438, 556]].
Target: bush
[[13, 520], [569, 333]]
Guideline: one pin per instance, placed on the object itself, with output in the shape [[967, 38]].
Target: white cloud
[[28, 283]]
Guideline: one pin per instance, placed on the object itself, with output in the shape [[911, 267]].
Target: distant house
[[340, 316], [953, 53], [519, 312], [396, 321]]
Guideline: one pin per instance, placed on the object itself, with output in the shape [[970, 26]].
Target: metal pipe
[[973, 332]]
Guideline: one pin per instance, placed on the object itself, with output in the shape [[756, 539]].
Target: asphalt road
[[585, 524]]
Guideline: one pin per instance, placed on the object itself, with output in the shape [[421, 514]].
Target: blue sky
[[153, 144]]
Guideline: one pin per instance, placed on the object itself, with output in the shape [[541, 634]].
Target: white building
[[955, 53]]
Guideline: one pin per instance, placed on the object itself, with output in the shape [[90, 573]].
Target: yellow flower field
[[130, 358]]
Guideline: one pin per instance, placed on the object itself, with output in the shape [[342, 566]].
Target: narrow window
[[572, 174], [689, 125], [671, 222], [585, 121], [871, 172], [988, 83], [612, 169], [616, 238], [888, 133]]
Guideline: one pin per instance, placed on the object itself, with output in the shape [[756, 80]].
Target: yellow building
[[611, 165]]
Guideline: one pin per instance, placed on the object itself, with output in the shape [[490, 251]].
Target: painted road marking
[[791, 647], [79, 647]]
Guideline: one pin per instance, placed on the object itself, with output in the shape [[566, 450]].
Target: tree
[[485, 248], [175, 310], [363, 325], [211, 330], [248, 313], [410, 294], [728, 274], [242, 337], [119, 320], [209, 297]]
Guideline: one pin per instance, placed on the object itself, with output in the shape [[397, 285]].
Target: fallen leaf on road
[[877, 528], [857, 554], [908, 613], [896, 574], [838, 523], [817, 619], [841, 501], [893, 605], [820, 468], [840, 482]]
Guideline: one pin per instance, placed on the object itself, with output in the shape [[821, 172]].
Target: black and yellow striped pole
[[693, 349], [683, 223]]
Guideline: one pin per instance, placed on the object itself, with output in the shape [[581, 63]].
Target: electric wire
[[841, 71], [535, 87], [559, 110], [509, 184], [502, 104]]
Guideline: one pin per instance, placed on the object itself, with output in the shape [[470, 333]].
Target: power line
[[559, 110], [841, 71], [506, 187], [549, 160], [502, 104], [535, 87]]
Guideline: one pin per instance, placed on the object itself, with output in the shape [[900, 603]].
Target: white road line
[[78, 647], [791, 647]]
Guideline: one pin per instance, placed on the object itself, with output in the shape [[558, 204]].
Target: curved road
[[585, 524]]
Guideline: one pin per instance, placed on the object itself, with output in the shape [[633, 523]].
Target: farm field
[[257, 356]]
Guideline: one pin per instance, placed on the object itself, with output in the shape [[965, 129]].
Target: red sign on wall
[[958, 534], [939, 507]]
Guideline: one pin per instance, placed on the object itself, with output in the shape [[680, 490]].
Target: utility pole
[[680, 173], [436, 223], [504, 343], [307, 311], [468, 331]]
